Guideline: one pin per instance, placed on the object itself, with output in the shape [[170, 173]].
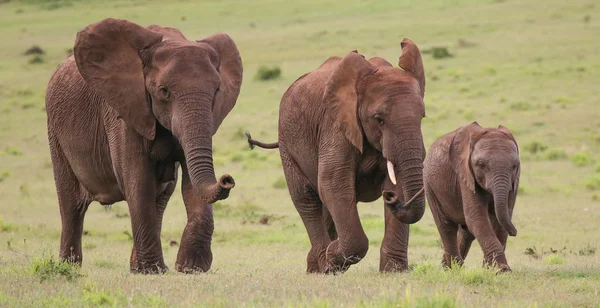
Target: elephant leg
[[195, 254], [73, 203], [447, 230], [465, 239], [394, 247], [311, 210], [478, 222], [329, 225], [337, 191], [161, 205]]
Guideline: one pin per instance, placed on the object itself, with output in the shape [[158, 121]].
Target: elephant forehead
[[497, 144]]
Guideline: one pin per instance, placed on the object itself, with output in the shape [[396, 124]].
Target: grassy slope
[[533, 68]]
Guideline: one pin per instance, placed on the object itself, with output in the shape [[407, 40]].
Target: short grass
[[529, 65]]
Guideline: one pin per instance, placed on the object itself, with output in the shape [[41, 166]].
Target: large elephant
[[471, 182], [124, 111], [347, 132]]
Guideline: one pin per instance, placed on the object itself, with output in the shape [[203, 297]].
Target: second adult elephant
[[348, 131], [129, 107]]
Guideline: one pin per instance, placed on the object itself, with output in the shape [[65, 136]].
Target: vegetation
[[532, 70]]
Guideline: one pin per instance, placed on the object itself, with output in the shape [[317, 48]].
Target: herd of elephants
[[133, 104]]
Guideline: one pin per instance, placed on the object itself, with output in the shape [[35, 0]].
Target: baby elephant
[[471, 180]]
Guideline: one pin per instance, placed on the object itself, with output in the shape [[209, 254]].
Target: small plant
[[532, 252], [520, 106], [592, 183], [4, 175], [535, 147], [265, 73], [554, 259], [440, 52], [47, 268], [582, 159], [34, 50], [99, 297], [13, 151], [556, 154], [5, 227], [587, 251], [280, 183], [36, 60]]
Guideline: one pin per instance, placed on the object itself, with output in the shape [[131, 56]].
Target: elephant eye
[[515, 166], [164, 92], [481, 163], [379, 120]]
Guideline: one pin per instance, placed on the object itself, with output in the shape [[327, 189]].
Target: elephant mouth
[[391, 198]]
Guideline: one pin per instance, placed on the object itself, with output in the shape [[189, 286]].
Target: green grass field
[[532, 66]]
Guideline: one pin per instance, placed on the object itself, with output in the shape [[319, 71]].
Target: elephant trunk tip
[[220, 190], [512, 231], [408, 212]]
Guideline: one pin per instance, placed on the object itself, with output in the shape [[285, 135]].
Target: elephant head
[[154, 75], [376, 103], [488, 160]]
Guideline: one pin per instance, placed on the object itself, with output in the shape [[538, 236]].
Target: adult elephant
[[347, 131], [124, 111]]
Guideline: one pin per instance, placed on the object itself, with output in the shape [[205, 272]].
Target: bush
[[37, 60], [47, 268], [535, 147], [557, 154], [34, 50], [582, 159], [554, 259], [4, 175], [520, 106], [265, 73], [440, 52], [592, 183]]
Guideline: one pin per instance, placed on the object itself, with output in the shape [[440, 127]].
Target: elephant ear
[[341, 95], [508, 133], [168, 32], [231, 71], [460, 152], [107, 54], [410, 61]]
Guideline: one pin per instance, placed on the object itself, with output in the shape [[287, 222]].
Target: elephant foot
[[195, 263], [338, 262], [146, 268], [392, 262], [503, 268]]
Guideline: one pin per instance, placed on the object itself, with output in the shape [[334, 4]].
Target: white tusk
[[391, 173]]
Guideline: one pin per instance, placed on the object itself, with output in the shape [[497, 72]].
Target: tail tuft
[[250, 144]]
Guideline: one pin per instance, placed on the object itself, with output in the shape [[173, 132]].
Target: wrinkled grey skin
[[338, 127], [471, 183], [124, 112]]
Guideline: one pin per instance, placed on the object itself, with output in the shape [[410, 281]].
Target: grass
[[515, 63]]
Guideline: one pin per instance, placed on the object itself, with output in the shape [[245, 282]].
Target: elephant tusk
[[390, 167]]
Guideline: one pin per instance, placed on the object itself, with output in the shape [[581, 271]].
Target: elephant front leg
[[478, 222], [394, 248], [195, 253]]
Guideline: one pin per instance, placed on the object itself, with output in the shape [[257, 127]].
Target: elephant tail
[[252, 143]]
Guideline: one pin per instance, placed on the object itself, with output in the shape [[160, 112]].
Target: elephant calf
[[348, 131], [471, 181]]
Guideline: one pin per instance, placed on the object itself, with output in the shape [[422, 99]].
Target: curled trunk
[[501, 188], [409, 171], [194, 130]]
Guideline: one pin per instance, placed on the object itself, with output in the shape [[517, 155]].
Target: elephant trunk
[[410, 172], [500, 190], [194, 130]]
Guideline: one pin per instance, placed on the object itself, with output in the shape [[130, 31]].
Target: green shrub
[[535, 147], [592, 183], [4, 175], [582, 159], [556, 154], [5, 227], [587, 251], [265, 73], [36, 60], [440, 52], [99, 297], [13, 151], [554, 259], [47, 268], [280, 183], [520, 106]]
